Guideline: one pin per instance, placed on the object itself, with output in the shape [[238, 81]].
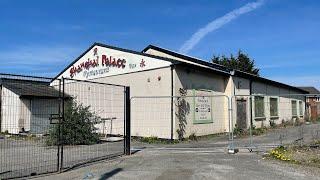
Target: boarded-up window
[[273, 107], [259, 106], [300, 108], [294, 108]]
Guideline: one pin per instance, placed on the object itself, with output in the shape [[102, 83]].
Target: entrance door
[[242, 114]]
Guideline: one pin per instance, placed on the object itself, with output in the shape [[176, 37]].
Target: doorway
[[242, 113]]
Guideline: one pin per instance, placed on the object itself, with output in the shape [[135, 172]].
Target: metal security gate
[[52, 128], [27, 103], [93, 123]]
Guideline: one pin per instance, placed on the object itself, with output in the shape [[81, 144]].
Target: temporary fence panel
[[261, 121], [103, 109], [180, 117], [26, 108], [53, 127]]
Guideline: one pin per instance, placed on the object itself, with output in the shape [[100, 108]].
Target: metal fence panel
[[187, 117], [51, 128], [26, 108], [106, 103], [264, 121]]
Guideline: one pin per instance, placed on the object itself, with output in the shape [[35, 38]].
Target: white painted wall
[[25, 114], [149, 116], [215, 85], [242, 87], [10, 111]]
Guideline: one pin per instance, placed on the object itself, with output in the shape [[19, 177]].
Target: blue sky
[[42, 37]]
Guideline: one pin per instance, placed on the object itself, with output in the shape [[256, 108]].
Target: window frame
[[294, 115], [301, 109], [263, 104], [277, 110]]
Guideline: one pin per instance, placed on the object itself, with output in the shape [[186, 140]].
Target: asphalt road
[[23, 158], [184, 164], [188, 160]]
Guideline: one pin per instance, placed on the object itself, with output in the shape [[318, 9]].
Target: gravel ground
[[184, 163], [23, 158], [26, 157]]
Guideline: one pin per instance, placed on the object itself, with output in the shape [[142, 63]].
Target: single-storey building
[[166, 75], [26, 106]]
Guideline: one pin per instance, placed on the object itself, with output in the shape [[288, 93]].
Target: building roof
[[265, 80], [29, 89], [186, 57], [311, 90], [223, 68]]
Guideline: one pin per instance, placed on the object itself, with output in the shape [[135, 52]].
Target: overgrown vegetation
[[77, 127], [183, 110], [281, 153], [155, 140], [262, 130], [246, 132], [308, 155], [191, 137]]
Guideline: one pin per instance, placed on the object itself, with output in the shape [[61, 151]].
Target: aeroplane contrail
[[218, 23]]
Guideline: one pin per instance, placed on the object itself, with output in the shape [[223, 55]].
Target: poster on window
[[202, 107]]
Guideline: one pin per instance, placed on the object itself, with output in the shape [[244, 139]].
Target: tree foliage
[[77, 127], [240, 62]]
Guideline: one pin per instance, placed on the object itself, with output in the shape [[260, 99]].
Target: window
[[274, 107], [300, 108], [259, 106], [294, 108]]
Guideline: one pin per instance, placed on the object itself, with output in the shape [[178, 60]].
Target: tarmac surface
[[190, 163]]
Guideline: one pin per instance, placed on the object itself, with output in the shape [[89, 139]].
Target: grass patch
[[155, 140], [191, 138], [303, 155], [19, 137], [255, 131]]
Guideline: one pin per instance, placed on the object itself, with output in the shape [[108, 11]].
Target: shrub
[[77, 127], [237, 131], [259, 131], [272, 124], [150, 140], [193, 137]]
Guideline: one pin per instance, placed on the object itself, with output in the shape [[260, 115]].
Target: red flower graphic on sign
[[142, 63]]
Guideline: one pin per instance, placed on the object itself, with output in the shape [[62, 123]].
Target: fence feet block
[[233, 151]]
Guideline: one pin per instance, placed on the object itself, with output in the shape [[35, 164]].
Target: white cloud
[[37, 55], [218, 23]]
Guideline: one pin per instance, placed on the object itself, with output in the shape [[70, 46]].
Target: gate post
[[61, 125], [127, 122]]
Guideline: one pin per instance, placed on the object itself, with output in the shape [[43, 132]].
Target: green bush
[[237, 131], [193, 137], [259, 131], [77, 127], [272, 124]]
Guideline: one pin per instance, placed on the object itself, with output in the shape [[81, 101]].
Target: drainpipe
[[251, 111], [172, 94], [0, 107]]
